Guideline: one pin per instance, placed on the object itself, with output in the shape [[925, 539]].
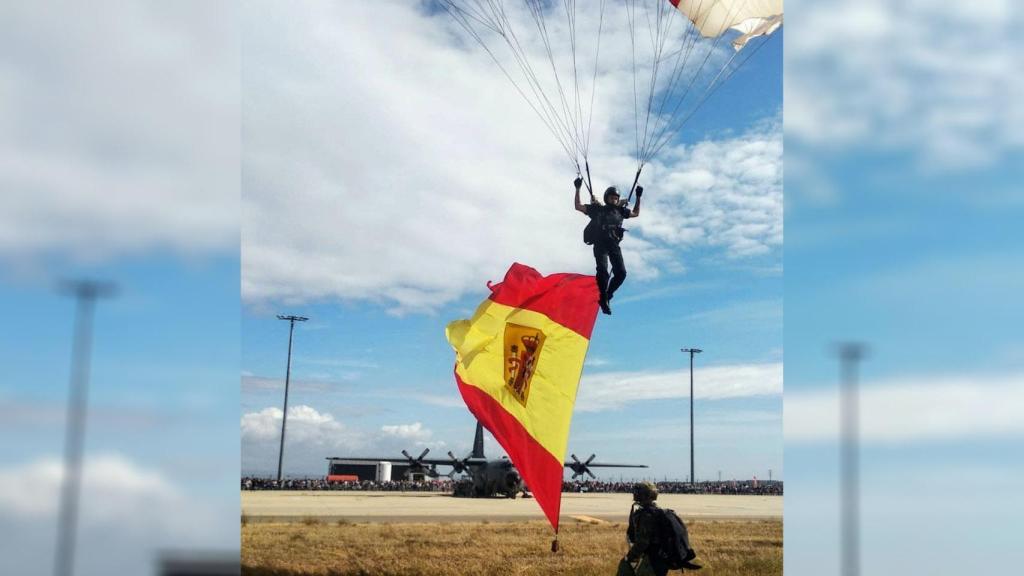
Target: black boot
[[605, 307]]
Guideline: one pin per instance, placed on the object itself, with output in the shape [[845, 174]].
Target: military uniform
[[607, 225], [644, 544]]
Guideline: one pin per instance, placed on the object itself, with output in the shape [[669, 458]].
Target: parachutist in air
[[605, 232]]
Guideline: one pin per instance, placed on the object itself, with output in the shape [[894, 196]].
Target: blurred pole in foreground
[[85, 293], [850, 355], [287, 376]]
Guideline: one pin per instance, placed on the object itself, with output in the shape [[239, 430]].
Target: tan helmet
[[645, 492]]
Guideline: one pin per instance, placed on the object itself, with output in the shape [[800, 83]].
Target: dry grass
[[725, 548]]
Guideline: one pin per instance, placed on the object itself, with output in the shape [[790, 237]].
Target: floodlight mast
[[691, 352], [850, 355], [85, 292], [287, 378]]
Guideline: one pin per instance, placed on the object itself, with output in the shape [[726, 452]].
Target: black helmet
[[645, 492], [609, 191]]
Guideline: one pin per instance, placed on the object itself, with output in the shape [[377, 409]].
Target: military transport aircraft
[[486, 477]]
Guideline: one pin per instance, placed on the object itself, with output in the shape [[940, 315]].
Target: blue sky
[[164, 361], [381, 206]]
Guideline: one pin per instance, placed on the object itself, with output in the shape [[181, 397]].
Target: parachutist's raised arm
[[578, 182], [636, 207]]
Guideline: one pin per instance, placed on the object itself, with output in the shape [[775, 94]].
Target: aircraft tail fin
[[478, 441]]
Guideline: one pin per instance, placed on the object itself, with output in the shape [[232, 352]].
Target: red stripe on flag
[[541, 472], [568, 299]]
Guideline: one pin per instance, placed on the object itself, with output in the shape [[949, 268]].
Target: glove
[[577, 183], [639, 192]]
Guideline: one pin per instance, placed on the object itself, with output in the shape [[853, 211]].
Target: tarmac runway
[[354, 506]]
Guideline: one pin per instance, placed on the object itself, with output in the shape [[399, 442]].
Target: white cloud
[[128, 513], [934, 78], [305, 424], [725, 193], [415, 431], [368, 175], [914, 409], [32, 489], [612, 390], [119, 135], [313, 435]]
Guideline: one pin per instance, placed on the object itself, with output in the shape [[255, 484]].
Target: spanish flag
[[518, 363]]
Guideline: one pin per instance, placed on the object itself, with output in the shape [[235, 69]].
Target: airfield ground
[[286, 506], [320, 533]]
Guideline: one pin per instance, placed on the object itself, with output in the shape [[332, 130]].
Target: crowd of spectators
[[321, 483], [445, 485], [773, 488]]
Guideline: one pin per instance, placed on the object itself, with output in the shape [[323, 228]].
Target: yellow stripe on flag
[[480, 362]]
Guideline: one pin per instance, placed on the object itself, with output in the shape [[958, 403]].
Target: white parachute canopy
[[749, 17]]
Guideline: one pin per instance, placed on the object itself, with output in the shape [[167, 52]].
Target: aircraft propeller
[[417, 465], [458, 466], [579, 468]]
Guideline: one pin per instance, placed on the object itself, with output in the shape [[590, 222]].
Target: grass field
[[313, 547]]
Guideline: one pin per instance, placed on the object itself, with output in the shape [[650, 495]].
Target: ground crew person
[[647, 534]]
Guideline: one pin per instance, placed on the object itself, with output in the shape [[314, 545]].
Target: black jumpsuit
[[608, 220]]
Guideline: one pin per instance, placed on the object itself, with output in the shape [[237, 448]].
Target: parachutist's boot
[[605, 307], [691, 566]]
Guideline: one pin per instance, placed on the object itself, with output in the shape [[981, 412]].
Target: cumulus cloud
[[725, 193], [119, 135], [368, 175], [414, 431], [305, 424], [32, 489], [914, 410], [932, 78], [612, 390], [313, 435], [128, 513]]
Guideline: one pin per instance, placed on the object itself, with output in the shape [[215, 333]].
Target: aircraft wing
[[416, 462], [607, 465], [580, 468], [424, 462]]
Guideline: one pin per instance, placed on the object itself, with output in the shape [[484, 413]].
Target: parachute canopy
[[750, 17], [672, 54]]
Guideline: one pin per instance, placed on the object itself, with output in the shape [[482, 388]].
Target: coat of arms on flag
[[522, 350]]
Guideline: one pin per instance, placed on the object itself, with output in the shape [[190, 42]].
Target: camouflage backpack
[[673, 539]]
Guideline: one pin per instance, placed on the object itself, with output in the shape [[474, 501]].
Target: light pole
[[850, 355], [86, 293], [287, 377], [691, 351]]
